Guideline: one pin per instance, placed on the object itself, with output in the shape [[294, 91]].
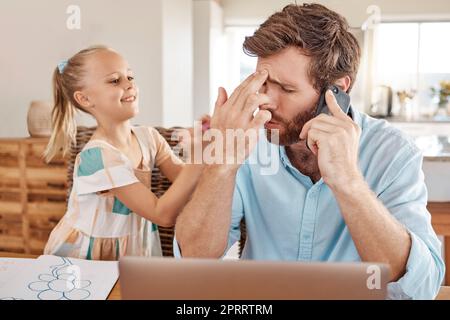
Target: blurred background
[[182, 50]]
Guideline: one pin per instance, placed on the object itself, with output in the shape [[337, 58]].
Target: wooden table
[[440, 219], [444, 293], [116, 295]]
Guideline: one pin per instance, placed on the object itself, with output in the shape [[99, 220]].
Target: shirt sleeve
[[176, 247], [162, 150], [405, 196], [237, 214], [100, 169]]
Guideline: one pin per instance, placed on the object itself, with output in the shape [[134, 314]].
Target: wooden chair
[[243, 237]]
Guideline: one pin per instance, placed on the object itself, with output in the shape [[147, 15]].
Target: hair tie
[[62, 65]]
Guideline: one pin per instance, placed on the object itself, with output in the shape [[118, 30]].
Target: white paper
[[57, 278], [10, 268]]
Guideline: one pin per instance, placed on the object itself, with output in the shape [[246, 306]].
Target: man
[[349, 187]]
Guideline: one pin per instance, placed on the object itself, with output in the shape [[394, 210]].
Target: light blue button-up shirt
[[288, 217]]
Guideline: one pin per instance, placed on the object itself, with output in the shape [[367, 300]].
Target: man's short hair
[[319, 33]]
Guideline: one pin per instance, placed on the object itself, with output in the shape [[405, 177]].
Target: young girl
[[111, 210]]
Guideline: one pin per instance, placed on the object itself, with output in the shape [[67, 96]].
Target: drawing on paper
[[63, 283]]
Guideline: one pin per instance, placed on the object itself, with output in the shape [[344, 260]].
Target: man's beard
[[290, 132]]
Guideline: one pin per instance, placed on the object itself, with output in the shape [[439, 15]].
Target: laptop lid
[[211, 279]]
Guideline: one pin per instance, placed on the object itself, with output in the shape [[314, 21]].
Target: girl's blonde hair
[[67, 79]]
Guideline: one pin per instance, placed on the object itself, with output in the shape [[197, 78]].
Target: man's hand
[[203, 225], [334, 139], [237, 111]]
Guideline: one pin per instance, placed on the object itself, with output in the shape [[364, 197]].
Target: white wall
[[202, 74], [177, 61], [35, 38], [209, 64], [217, 51], [238, 12]]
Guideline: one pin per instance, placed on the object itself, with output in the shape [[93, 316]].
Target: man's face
[[293, 98]]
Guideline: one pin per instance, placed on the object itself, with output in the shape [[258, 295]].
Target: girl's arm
[[163, 211], [171, 169]]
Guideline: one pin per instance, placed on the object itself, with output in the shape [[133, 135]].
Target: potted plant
[[441, 94]]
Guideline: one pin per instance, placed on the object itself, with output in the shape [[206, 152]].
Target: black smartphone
[[342, 98]]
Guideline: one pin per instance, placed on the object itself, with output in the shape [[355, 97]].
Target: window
[[240, 65], [412, 56]]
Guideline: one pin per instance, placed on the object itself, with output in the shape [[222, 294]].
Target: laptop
[[211, 279]]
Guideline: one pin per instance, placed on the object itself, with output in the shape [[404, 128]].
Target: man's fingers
[[253, 102], [323, 122], [305, 130], [315, 137], [222, 97], [252, 87], [333, 106], [239, 88], [319, 125], [261, 118], [249, 86]]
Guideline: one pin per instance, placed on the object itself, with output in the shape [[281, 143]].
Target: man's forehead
[[288, 67]]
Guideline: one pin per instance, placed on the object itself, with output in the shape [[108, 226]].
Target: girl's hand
[[206, 122], [191, 140]]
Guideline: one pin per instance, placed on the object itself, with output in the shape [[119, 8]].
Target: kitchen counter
[[436, 165], [433, 138], [433, 120], [434, 147]]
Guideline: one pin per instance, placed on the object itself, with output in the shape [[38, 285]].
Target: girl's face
[[109, 87]]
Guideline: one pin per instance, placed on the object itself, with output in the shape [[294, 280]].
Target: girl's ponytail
[[67, 79], [64, 127]]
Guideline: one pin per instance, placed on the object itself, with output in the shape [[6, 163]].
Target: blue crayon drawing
[[64, 283]]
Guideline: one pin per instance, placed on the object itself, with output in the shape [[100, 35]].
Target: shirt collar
[[305, 180], [356, 116]]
